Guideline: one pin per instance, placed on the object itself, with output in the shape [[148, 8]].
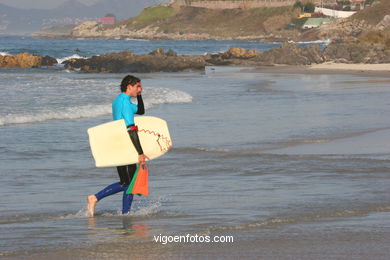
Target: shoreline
[[184, 37], [375, 70], [279, 241]]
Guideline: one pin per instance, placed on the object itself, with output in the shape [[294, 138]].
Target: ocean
[[277, 166]]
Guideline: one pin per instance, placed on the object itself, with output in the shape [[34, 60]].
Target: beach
[[275, 162], [375, 70]]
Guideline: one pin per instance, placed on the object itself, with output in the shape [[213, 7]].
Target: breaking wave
[[74, 56], [156, 97], [57, 114]]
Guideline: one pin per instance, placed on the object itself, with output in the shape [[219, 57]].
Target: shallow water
[[268, 158], [247, 156]]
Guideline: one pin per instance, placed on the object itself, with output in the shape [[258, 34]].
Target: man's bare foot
[[92, 200]]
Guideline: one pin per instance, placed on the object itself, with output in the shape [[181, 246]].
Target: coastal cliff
[[165, 22], [175, 22]]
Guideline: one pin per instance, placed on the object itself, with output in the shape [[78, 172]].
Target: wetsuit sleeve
[[135, 140], [128, 112], [141, 108]]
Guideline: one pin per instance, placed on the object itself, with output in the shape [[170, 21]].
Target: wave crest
[[74, 56], [67, 113], [155, 96]]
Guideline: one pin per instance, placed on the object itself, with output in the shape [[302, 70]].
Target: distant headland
[[263, 20]]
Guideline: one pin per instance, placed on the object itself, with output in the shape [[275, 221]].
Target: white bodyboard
[[111, 144]]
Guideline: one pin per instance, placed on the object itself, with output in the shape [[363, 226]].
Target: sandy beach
[[378, 70], [385, 67]]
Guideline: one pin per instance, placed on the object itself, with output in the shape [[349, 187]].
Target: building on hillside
[[357, 4], [353, 4], [334, 13], [107, 20], [316, 22]]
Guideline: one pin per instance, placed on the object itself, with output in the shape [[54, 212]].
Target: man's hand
[[139, 89], [142, 158]]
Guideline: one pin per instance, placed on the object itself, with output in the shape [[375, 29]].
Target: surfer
[[122, 108]]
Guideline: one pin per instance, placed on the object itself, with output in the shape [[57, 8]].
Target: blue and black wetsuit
[[122, 108]]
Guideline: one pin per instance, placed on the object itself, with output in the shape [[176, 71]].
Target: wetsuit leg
[[126, 174], [126, 202], [109, 190]]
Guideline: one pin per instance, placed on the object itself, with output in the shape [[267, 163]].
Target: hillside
[[173, 22], [370, 25], [374, 14], [162, 22], [223, 23]]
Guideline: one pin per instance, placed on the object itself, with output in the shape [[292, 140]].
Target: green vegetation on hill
[[220, 23], [154, 13]]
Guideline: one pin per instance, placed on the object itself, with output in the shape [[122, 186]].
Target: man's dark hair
[[129, 79]]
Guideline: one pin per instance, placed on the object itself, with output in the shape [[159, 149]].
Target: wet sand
[[357, 237], [378, 70], [370, 142]]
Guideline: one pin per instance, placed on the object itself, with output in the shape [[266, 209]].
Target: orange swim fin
[[141, 183]]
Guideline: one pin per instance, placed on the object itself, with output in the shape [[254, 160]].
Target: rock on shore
[[25, 60], [156, 61], [160, 61]]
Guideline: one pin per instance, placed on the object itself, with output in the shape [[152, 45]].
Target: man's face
[[134, 90]]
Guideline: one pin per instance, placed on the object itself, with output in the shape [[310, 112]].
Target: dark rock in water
[[171, 53], [288, 53], [158, 52], [48, 61], [124, 62], [76, 50]]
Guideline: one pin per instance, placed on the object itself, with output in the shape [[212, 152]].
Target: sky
[[40, 4]]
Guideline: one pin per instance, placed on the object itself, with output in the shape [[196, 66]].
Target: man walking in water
[[122, 108]]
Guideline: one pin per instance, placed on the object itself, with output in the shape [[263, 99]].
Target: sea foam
[[74, 56], [57, 114], [153, 97], [325, 42]]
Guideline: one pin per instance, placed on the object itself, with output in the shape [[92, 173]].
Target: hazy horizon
[[41, 4]]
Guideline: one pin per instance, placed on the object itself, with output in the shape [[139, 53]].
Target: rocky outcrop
[[161, 61], [233, 56], [346, 29], [288, 53], [123, 62], [25, 60], [385, 23], [92, 29], [356, 52], [240, 53], [291, 54]]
